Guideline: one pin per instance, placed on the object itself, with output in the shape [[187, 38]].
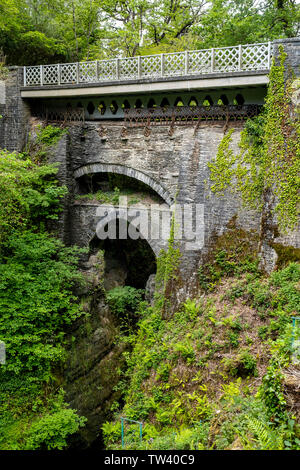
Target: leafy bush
[[52, 430], [36, 301], [243, 365], [225, 263], [185, 350], [272, 393], [28, 193], [124, 299], [49, 135], [111, 432], [233, 339]]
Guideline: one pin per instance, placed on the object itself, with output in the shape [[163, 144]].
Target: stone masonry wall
[[14, 125], [177, 163]]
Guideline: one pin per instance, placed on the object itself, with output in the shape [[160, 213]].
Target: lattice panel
[[88, 71], [107, 70], [226, 60], [199, 61], [61, 116], [33, 75], [174, 64], [151, 66], [50, 75], [255, 57], [128, 68], [68, 73], [182, 115]]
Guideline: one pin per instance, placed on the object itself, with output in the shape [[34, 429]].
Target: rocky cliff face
[[94, 358]]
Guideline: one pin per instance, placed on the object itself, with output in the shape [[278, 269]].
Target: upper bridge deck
[[236, 66]]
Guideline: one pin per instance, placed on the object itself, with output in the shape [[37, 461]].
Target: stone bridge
[[156, 121]]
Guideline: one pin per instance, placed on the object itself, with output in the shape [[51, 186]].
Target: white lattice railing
[[247, 57]]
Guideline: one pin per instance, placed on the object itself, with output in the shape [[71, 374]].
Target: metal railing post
[[122, 432], [24, 75], [186, 63], [212, 63], [269, 55], [118, 68], [139, 67], [77, 72], [41, 75], [58, 74], [162, 65], [240, 57]]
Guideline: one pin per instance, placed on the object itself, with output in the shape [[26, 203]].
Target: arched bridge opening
[[91, 176], [100, 198], [127, 262]]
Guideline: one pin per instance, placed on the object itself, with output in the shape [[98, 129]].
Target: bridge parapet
[[246, 58]]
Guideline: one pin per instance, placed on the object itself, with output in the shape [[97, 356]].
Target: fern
[[266, 438]]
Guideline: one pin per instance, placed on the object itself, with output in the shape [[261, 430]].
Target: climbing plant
[[268, 163], [167, 268]]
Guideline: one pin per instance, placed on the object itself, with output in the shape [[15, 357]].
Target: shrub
[[124, 299], [52, 430], [271, 391], [243, 365], [184, 350]]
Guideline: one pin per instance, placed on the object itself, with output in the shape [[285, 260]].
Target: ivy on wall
[[268, 163]]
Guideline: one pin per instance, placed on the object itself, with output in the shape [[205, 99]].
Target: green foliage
[[33, 32], [52, 430], [167, 269], [105, 197], [222, 169], [175, 379], [267, 438], [3, 71], [242, 365], [111, 432], [38, 276], [124, 299], [28, 193], [37, 48], [233, 339], [268, 165], [272, 392], [185, 350], [225, 263], [49, 135]]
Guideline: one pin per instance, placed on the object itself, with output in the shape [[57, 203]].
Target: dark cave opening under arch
[[127, 262]]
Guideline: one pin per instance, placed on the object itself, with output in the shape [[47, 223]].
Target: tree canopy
[[40, 31]]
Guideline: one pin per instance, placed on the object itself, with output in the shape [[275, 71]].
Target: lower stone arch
[[127, 171], [155, 245]]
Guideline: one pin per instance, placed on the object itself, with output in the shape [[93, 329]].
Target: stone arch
[[239, 99], [154, 244], [224, 100], [178, 102], [126, 105], [151, 103], [138, 104], [208, 101], [90, 108], [193, 101], [164, 103], [127, 171], [102, 108], [113, 107]]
